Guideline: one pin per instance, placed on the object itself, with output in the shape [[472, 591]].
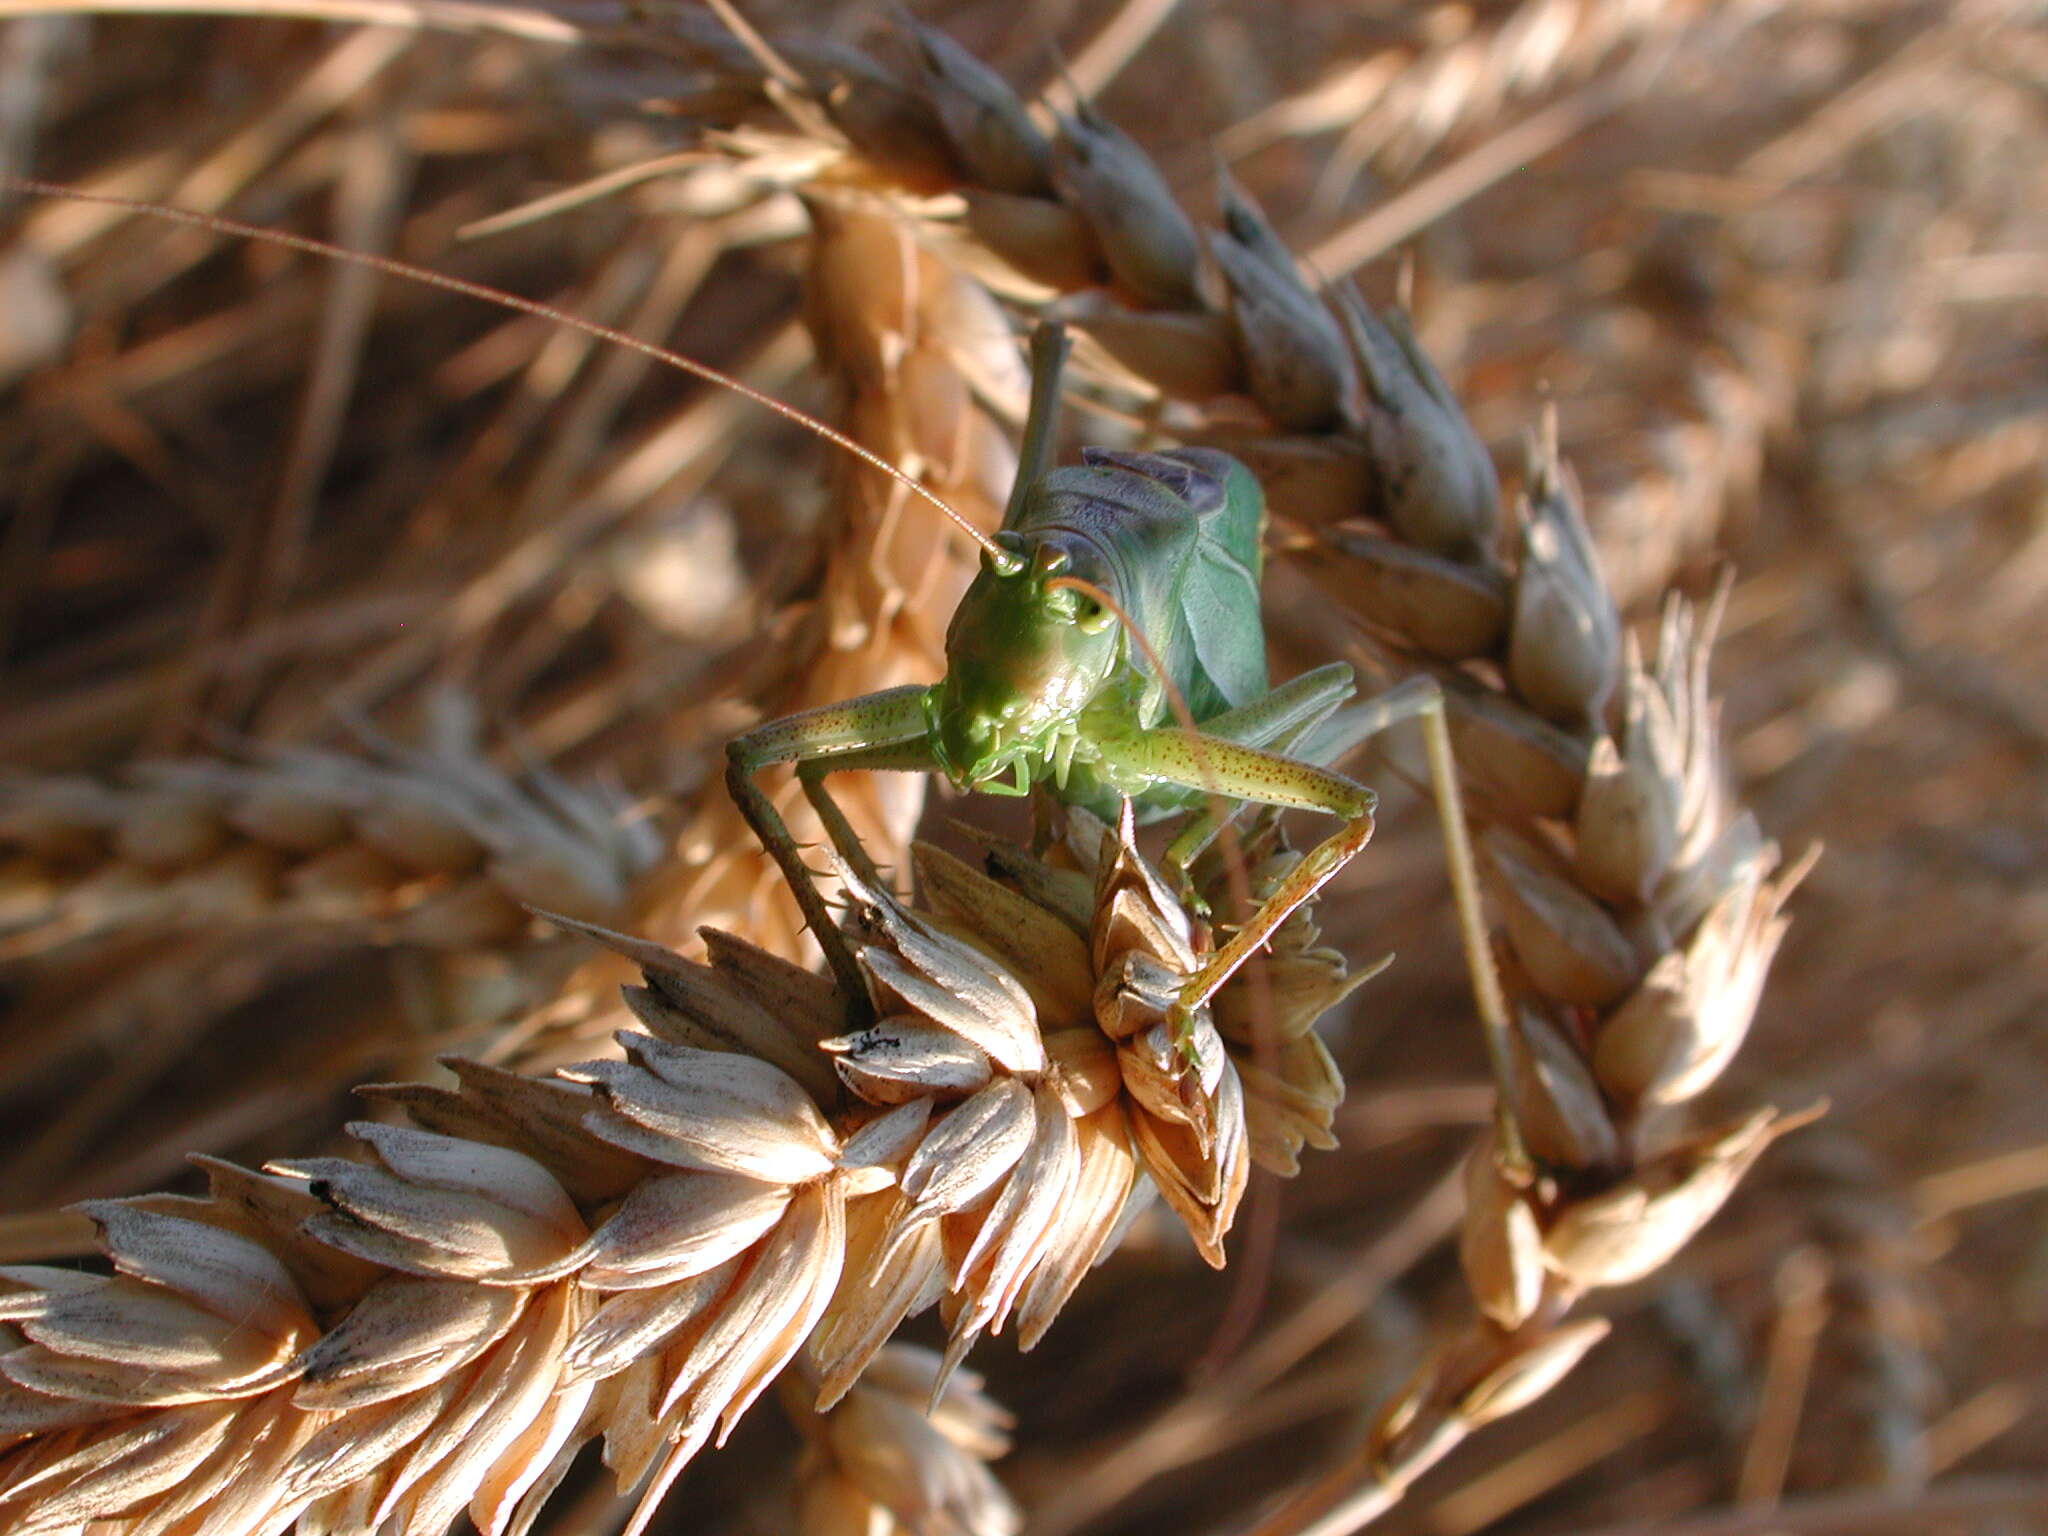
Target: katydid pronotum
[[1111, 648]]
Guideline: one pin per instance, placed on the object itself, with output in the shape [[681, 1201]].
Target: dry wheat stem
[[526, 23]]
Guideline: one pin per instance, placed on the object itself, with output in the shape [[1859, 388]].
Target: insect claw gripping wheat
[[763, 1177]]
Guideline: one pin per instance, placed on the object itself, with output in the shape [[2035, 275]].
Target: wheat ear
[[916, 352], [435, 846], [1639, 907], [635, 1246]]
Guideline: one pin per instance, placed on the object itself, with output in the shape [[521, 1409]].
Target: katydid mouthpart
[[1111, 649]]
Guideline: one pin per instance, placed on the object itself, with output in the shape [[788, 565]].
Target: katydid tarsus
[[1111, 648]]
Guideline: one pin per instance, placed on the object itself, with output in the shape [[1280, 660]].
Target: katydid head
[[1024, 655]]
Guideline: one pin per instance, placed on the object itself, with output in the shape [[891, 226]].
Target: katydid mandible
[[1111, 588]]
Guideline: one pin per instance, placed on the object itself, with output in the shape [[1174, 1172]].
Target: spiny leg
[[1233, 769], [1195, 760], [1421, 699], [1275, 721], [834, 733], [914, 756], [1336, 733]]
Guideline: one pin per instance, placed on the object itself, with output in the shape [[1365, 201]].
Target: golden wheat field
[[422, 1108]]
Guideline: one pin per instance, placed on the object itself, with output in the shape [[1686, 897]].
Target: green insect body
[[1111, 648], [1041, 679]]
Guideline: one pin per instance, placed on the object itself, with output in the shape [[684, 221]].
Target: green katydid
[[1115, 592], [1111, 648]]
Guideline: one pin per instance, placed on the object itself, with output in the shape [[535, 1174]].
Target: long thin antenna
[[393, 267]]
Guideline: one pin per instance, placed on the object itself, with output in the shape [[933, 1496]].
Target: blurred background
[[1781, 271]]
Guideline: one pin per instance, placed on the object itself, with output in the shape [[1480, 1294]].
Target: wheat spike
[[919, 352], [1392, 108], [1639, 907], [878, 1463], [436, 847], [635, 1247]]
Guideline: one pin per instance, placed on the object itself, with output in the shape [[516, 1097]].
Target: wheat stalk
[[255, 864]]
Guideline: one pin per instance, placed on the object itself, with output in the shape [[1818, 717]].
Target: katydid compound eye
[[1008, 556]]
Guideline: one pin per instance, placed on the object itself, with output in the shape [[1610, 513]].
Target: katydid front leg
[[876, 730]]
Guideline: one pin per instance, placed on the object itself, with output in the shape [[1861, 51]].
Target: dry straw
[[634, 1247]]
